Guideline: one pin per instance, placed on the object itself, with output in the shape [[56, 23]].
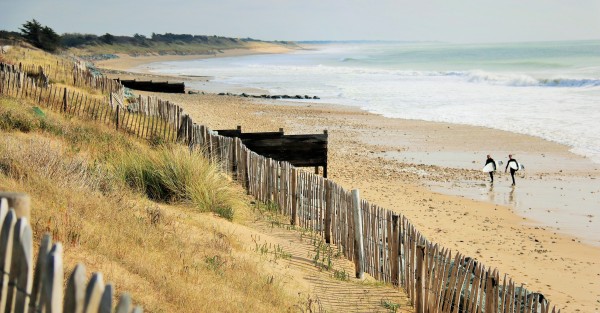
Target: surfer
[[488, 161], [512, 170]]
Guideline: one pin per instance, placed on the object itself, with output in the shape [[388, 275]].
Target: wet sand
[[431, 172]]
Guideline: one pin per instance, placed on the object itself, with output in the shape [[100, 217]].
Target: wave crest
[[522, 80]]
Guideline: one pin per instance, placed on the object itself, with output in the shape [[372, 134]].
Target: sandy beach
[[431, 172]]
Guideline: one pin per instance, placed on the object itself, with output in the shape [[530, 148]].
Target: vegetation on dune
[[177, 175], [132, 210], [47, 39]]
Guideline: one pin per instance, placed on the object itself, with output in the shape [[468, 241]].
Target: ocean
[[545, 89]]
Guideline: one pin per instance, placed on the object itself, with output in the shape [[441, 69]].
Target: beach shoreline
[[401, 164]]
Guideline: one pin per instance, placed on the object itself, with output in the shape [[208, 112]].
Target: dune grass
[[176, 175], [135, 213]]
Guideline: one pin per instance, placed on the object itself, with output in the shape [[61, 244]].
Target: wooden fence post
[[294, 217], [117, 117], [419, 308], [52, 288], [21, 268], [395, 250], [106, 301], [40, 271], [359, 249], [325, 165], [124, 305], [490, 286], [75, 293], [93, 293], [20, 202], [328, 210], [65, 100], [6, 251]]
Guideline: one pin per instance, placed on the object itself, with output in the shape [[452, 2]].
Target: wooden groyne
[[304, 150], [149, 85]]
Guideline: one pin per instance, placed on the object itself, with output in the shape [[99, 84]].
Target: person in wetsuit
[[512, 170], [488, 161]]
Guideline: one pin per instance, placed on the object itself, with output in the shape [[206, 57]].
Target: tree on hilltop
[[40, 36], [107, 39]]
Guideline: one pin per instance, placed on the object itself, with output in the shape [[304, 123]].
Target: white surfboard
[[490, 167], [516, 166]]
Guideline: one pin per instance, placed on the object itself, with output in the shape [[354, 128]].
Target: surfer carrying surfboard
[[493, 167], [513, 165]]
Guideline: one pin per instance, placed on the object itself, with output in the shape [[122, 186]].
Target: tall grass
[[177, 175]]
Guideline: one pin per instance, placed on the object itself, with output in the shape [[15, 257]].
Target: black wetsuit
[[512, 171], [488, 161]]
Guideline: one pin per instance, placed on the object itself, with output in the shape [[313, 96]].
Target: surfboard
[[516, 166], [490, 167]]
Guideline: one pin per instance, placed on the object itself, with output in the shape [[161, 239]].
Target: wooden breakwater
[[381, 242], [28, 287], [149, 85], [305, 150]]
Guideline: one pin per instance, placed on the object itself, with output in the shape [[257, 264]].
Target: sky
[[461, 21]]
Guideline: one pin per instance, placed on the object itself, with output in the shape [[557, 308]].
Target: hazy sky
[[424, 20]]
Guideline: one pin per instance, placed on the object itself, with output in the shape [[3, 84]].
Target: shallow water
[[568, 205]]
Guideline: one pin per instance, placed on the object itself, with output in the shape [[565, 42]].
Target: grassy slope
[[91, 188]]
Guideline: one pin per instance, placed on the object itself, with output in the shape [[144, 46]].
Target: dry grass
[[58, 68], [174, 174], [170, 258]]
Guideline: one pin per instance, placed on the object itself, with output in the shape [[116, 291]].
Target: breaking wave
[[522, 80]]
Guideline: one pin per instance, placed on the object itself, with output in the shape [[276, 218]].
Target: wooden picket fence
[[146, 118], [25, 287], [381, 242], [70, 71]]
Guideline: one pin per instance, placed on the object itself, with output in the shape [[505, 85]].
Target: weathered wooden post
[[20, 202], [325, 165], [419, 308], [6, 247], [21, 268], [75, 292], [395, 250], [359, 251], [94, 292], [294, 217], [53, 282], [117, 117], [65, 101], [328, 210], [490, 295]]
